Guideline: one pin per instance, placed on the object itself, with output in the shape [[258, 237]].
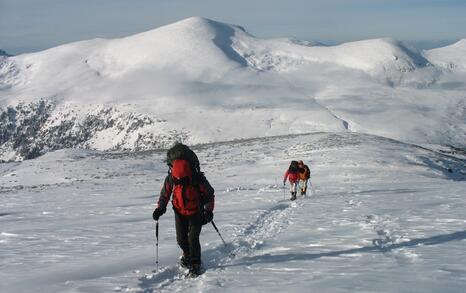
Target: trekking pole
[[216, 229], [284, 195], [157, 245]]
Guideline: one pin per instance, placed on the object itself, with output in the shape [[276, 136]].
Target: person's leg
[[304, 186], [195, 227], [293, 190], [182, 230]]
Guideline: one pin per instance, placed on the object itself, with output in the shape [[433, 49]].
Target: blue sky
[[31, 25]]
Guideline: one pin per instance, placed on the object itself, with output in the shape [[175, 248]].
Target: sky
[[33, 25]]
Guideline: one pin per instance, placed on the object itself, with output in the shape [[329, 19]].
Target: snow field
[[385, 217]]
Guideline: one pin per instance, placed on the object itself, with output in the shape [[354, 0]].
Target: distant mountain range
[[200, 80], [3, 53]]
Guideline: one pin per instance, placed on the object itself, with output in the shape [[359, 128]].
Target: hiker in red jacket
[[293, 177], [192, 198]]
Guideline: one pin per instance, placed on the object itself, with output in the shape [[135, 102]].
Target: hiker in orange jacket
[[304, 174]]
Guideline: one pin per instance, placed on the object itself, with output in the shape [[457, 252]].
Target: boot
[[195, 270], [184, 262], [293, 196]]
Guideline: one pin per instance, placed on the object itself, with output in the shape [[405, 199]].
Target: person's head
[[300, 163]]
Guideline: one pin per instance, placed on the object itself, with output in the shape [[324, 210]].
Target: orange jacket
[[304, 172]]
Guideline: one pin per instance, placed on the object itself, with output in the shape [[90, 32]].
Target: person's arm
[[164, 198], [308, 171], [286, 176], [208, 200], [208, 194], [165, 193]]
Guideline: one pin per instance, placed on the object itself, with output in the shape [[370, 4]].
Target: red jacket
[[199, 195], [292, 176]]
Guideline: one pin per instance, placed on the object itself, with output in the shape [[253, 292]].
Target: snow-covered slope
[[376, 57], [385, 217], [201, 81], [451, 57]]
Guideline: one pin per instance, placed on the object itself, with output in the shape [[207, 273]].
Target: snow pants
[[188, 229], [293, 187]]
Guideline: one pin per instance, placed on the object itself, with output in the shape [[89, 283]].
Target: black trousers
[[188, 230]]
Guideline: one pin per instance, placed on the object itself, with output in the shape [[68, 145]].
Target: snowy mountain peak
[[384, 59], [193, 21], [380, 53], [452, 57], [193, 80], [195, 47], [461, 43], [202, 28], [200, 23]]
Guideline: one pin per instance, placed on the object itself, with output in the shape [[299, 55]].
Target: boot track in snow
[[268, 225]]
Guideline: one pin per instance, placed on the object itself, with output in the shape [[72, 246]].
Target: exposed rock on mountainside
[[29, 130]]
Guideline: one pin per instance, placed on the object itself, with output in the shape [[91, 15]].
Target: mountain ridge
[[194, 80]]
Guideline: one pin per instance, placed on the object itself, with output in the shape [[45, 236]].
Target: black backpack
[[182, 152], [293, 167]]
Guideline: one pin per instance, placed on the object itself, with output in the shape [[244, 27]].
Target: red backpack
[[186, 197]]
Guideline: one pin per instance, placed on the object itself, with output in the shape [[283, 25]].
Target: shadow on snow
[[270, 258], [168, 275]]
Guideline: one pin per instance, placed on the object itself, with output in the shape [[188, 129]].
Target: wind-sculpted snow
[[203, 81]]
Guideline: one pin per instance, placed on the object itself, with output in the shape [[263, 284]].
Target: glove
[[207, 217], [158, 212]]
